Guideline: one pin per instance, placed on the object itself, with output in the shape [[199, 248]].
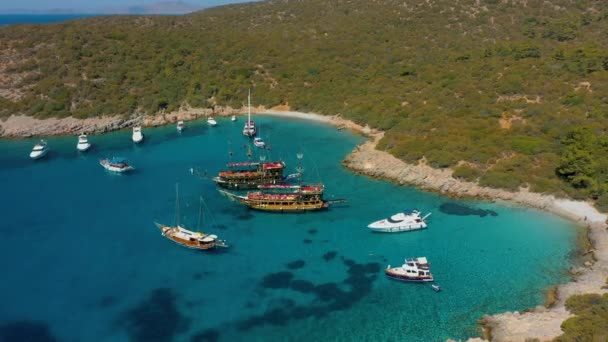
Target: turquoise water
[[82, 260]]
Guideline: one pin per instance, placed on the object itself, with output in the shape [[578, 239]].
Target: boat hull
[[396, 229], [284, 207], [245, 185], [38, 155], [83, 147], [401, 277], [106, 165]]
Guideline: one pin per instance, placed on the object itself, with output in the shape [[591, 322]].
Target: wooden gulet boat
[[188, 238], [249, 175], [285, 198]]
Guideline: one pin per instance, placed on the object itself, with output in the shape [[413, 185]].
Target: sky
[[89, 5]]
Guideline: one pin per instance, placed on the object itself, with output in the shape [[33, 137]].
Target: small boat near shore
[[118, 165], [83, 143], [400, 222], [137, 136], [180, 126], [40, 150], [413, 270], [211, 121], [233, 119]]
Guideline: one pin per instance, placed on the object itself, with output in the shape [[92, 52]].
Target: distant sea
[[12, 19], [82, 260]]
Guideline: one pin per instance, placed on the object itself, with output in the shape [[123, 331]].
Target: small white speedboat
[[180, 126], [211, 121], [400, 222], [259, 142], [83, 143], [40, 150], [233, 118], [118, 165], [137, 136]]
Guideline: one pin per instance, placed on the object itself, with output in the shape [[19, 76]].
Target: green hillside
[[511, 92]]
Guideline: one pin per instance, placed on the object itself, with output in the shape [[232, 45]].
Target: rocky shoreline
[[541, 323], [23, 126]]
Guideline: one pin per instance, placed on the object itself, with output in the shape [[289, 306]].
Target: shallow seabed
[[83, 261]]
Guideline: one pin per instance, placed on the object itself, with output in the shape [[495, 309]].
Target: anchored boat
[[180, 126], [414, 269], [211, 121], [40, 150], [285, 198], [137, 135], [188, 238], [115, 164], [248, 175], [400, 222], [83, 143], [249, 129]]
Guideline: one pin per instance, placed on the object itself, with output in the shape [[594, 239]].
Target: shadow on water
[[463, 210], [208, 335], [296, 264], [156, 318], [26, 330], [329, 297]]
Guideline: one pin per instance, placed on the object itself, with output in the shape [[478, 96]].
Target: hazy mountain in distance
[[163, 7]]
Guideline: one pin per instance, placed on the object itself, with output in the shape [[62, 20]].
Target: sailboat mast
[[249, 107], [200, 214], [176, 205]]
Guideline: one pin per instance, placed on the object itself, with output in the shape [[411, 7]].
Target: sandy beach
[[542, 323]]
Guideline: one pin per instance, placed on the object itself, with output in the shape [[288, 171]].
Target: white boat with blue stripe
[[400, 222]]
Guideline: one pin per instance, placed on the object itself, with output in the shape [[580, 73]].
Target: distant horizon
[[113, 7]]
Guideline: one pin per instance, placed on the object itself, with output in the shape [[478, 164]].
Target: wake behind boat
[[400, 222], [115, 164], [414, 269], [40, 150]]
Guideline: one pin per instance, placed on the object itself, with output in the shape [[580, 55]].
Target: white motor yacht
[[83, 143], [233, 118], [400, 222], [137, 136], [40, 150], [180, 126], [211, 121]]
